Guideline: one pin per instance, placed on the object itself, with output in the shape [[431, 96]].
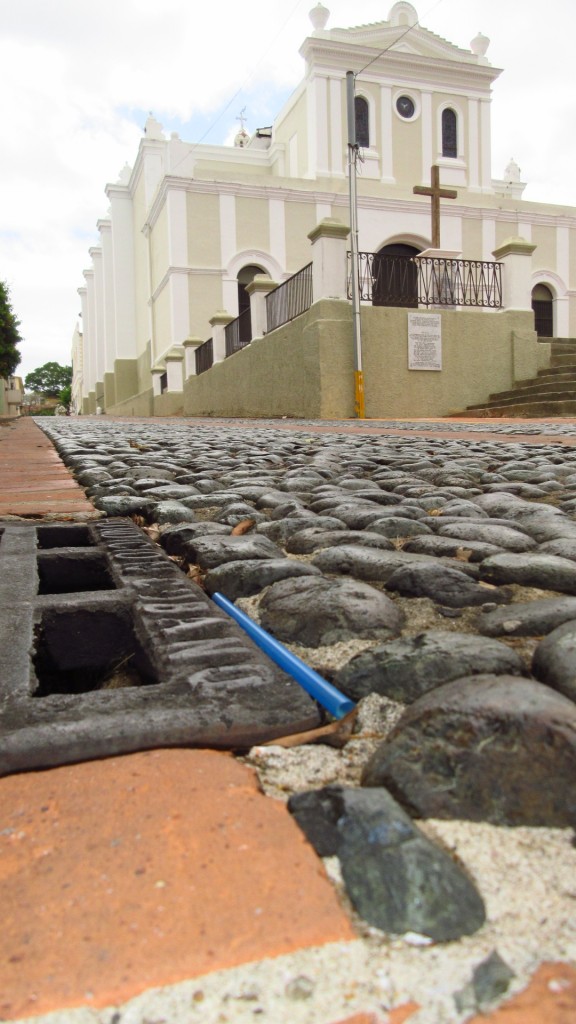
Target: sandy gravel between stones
[[528, 880], [527, 877]]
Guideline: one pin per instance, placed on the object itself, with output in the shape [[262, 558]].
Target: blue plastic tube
[[327, 695]]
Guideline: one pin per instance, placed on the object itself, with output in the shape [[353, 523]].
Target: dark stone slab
[[461, 508], [399, 526], [317, 611], [280, 531], [396, 878], [449, 547], [175, 538], [500, 749], [238, 512], [358, 516], [554, 660], [503, 537], [126, 505], [370, 564], [535, 618], [172, 511], [208, 552], [168, 491], [444, 585], [244, 578], [314, 538], [565, 547], [548, 572], [404, 669], [363, 563]]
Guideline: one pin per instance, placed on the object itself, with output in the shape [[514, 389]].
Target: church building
[[176, 302]]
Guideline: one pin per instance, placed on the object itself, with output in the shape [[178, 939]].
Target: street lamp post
[[359, 407]]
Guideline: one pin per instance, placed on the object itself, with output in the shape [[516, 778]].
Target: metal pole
[[356, 321]]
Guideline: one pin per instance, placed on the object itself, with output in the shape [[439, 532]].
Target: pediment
[[414, 40]]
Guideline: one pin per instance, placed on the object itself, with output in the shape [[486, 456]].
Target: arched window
[[543, 306], [362, 122], [449, 133]]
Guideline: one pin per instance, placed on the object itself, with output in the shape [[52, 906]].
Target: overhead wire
[[241, 88], [250, 76], [398, 38]]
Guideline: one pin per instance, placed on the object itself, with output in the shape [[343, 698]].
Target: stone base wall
[[137, 405], [306, 368]]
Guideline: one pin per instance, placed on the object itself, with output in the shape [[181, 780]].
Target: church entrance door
[[543, 306], [395, 276], [245, 277]]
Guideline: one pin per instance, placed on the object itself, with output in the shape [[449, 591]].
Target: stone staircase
[[551, 393]]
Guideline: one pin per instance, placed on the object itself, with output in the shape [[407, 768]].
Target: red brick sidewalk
[[34, 480]]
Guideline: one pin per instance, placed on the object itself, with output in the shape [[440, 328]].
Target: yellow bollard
[[359, 394]]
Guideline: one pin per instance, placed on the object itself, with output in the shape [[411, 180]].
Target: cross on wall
[[436, 193]]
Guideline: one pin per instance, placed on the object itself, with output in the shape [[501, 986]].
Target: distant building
[[191, 226], [11, 395]]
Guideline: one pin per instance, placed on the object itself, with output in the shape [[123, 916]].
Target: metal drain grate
[[106, 648]]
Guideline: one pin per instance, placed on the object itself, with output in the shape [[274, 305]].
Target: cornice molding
[[394, 65], [316, 195]]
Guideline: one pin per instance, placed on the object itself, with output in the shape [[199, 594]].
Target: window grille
[[449, 133], [362, 122]]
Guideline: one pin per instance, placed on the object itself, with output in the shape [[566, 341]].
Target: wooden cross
[[436, 194]]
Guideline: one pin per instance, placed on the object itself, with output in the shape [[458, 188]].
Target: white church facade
[[192, 230]]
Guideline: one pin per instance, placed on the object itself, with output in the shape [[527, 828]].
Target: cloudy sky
[[78, 78]]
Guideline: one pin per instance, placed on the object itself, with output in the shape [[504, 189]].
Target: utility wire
[[398, 38], [250, 76]]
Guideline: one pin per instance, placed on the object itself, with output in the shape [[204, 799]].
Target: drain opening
[[75, 535], [73, 572], [78, 651]]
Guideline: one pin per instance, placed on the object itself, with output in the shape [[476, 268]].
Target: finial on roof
[[479, 45], [124, 176], [319, 17], [403, 13], [512, 171], [153, 128]]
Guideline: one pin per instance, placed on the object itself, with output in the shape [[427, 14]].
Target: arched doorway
[[395, 276], [543, 306], [245, 277]]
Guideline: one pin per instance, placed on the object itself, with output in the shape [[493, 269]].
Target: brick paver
[[138, 871], [34, 481]]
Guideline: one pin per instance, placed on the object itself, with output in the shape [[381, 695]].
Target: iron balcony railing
[[204, 356], [238, 333], [427, 281], [290, 299]]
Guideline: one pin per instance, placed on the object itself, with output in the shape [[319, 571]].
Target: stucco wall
[[481, 353], [306, 368], [137, 405]]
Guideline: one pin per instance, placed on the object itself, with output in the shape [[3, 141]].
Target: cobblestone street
[[427, 571]]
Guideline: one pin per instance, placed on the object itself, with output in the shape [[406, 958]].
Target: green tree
[[65, 395], [49, 379], [9, 334]]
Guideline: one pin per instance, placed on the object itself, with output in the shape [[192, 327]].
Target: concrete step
[[536, 388], [548, 394], [545, 408], [562, 359], [565, 370]]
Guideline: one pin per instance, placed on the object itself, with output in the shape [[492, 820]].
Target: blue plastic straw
[[327, 695]]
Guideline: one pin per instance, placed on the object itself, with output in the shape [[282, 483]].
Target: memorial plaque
[[424, 341]]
